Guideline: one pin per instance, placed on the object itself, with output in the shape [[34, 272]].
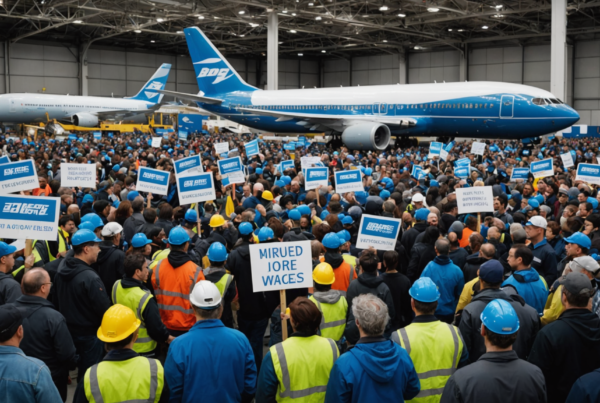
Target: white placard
[[281, 266], [78, 175], [195, 188], [188, 166], [221, 148], [153, 181], [478, 199], [19, 244], [17, 176], [315, 177], [156, 142], [567, 160], [29, 217], [478, 148], [348, 181], [309, 162], [443, 155], [379, 232]]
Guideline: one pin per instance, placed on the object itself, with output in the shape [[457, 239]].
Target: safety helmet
[[500, 317], [332, 241], [324, 214], [267, 195], [87, 225], [205, 295], [216, 221], [348, 220], [424, 290], [245, 228], [323, 274], [83, 236], [265, 234], [286, 179], [191, 216], [304, 209], [94, 219], [178, 236], [344, 236], [112, 229], [217, 252], [368, 172], [118, 323], [258, 171], [295, 214], [140, 240]]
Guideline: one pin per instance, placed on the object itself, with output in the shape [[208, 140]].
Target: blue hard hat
[[295, 214], [580, 239], [593, 201], [384, 194], [217, 252], [324, 214], [88, 198], [533, 203], [191, 216], [500, 317], [368, 172], [347, 220], [341, 216], [265, 234], [280, 183], [245, 228], [424, 290], [94, 219], [6, 249], [87, 225], [540, 199], [258, 171], [421, 214], [286, 179], [132, 195], [178, 236], [344, 235], [140, 240], [116, 167], [84, 236], [304, 209], [332, 241]]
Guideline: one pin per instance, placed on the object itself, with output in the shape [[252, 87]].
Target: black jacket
[[497, 377], [46, 336], [399, 285], [109, 265], [367, 283], [566, 349], [80, 296], [214, 276], [226, 238], [409, 237], [472, 266], [130, 226], [545, 262], [166, 225], [459, 257], [421, 255], [10, 289]]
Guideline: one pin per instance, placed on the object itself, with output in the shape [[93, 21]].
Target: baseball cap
[[579, 284], [537, 221], [491, 272], [347, 220], [585, 262], [112, 229], [418, 197], [10, 320], [132, 195], [6, 249], [580, 239]]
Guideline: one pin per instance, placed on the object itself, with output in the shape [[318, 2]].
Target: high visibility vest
[[435, 349], [136, 299], [223, 283], [158, 256], [138, 379], [344, 274], [62, 246], [351, 260], [333, 321], [303, 365], [172, 289]]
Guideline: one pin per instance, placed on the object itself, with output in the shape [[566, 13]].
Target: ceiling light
[[242, 12], [498, 15], [77, 22], [152, 41], [311, 4], [200, 17], [318, 18], [323, 51], [383, 8], [449, 29], [159, 19], [433, 9], [300, 54], [417, 47], [285, 11], [180, 32], [280, 43], [499, 6], [137, 31], [292, 31], [401, 15], [253, 25], [241, 35], [484, 27], [293, 14], [384, 41], [461, 30]]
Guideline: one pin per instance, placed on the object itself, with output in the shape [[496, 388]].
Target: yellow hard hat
[[267, 195], [118, 323], [323, 274], [217, 221], [255, 238]]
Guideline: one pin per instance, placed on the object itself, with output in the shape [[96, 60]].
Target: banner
[[567, 160], [289, 146], [542, 169], [588, 173], [251, 148], [379, 232], [78, 175], [17, 176], [435, 148], [478, 148], [462, 172], [29, 217], [221, 148], [463, 162], [153, 181], [196, 188], [233, 169], [182, 134], [477, 199], [519, 173], [348, 181], [156, 142], [315, 177], [281, 266], [4, 160]]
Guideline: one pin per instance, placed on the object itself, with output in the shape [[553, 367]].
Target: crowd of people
[[151, 300]]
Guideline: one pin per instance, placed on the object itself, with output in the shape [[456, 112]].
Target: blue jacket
[[544, 261], [251, 202], [586, 389], [210, 363], [375, 370], [25, 379], [530, 286], [450, 281]]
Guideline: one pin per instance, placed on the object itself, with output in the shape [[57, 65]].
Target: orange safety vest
[[172, 288], [343, 276]]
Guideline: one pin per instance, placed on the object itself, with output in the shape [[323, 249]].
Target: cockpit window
[[538, 101]]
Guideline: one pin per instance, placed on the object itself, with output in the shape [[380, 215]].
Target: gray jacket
[[130, 226]]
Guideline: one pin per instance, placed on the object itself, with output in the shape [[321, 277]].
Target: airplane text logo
[[220, 74]]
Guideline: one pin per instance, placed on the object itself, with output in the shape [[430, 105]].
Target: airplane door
[[383, 109], [507, 105], [379, 108], [13, 105]]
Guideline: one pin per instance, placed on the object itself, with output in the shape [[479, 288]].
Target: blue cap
[[433, 184], [324, 214], [217, 252], [593, 201], [94, 219], [258, 171], [178, 236], [245, 228], [424, 290], [500, 317], [341, 216], [304, 209], [132, 195], [421, 214], [368, 172], [116, 167], [88, 198], [344, 235], [384, 194], [286, 179], [83, 236], [347, 220], [191, 216], [6, 249], [580, 239], [140, 240], [491, 272], [295, 214], [280, 183], [265, 234], [332, 241]]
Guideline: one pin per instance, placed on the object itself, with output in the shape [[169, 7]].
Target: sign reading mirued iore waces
[[281, 266], [379, 232]]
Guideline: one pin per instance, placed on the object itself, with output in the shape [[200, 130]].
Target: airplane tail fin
[[213, 73], [157, 82]]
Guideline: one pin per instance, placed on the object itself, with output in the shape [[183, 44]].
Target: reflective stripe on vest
[[352, 266], [95, 389], [333, 329], [136, 299], [223, 284]]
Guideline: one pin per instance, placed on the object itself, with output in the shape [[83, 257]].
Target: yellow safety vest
[[136, 299], [303, 365], [62, 246], [435, 349], [138, 379], [158, 256], [333, 321], [352, 261], [223, 284]]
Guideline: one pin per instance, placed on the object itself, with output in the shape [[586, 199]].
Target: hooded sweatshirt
[[109, 265], [449, 279], [530, 286], [374, 370]]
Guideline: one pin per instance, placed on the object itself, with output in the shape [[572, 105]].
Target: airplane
[[366, 117], [83, 110]]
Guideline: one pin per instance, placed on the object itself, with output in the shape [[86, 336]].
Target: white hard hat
[[205, 295], [112, 229], [418, 197]]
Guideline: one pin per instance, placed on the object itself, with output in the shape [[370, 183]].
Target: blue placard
[[463, 162], [153, 180], [187, 164], [251, 148], [348, 181], [450, 146], [97, 135], [525, 152], [378, 232], [182, 134], [4, 160], [72, 137], [230, 165], [286, 165], [462, 172], [314, 177], [196, 188], [17, 176], [415, 171], [289, 146], [520, 173], [435, 148], [542, 168], [588, 173], [29, 217]]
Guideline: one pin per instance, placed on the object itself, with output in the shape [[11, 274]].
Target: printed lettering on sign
[[316, 177], [17, 176], [188, 166], [379, 232], [153, 181], [78, 175], [542, 169], [29, 217], [588, 173], [475, 200], [195, 189], [230, 166], [281, 266], [519, 174]]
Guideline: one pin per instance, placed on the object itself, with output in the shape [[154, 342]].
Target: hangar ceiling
[[315, 28]]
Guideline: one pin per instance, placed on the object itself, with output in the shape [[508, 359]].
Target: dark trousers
[[254, 330], [90, 350], [60, 381]]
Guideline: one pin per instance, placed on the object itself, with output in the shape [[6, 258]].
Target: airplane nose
[[573, 116]]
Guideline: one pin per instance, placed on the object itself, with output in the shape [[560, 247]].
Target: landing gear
[[336, 141]]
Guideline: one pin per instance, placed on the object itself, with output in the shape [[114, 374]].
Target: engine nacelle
[[85, 120], [367, 136]]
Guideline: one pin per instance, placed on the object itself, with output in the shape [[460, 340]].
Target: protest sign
[[182, 134], [379, 232], [17, 176], [251, 148], [463, 162], [233, 169], [195, 188], [348, 181], [222, 148], [289, 146], [188, 166], [542, 169], [29, 217], [78, 175], [286, 165], [462, 172], [309, 162], [450, 145], [416, 170], [444, 155], [156, 142], [281, 266], [153, 180], [567, 160], [478, 148], [435, 148], [477, 199], [314, 177], [519, 174], [4, 160], [588, 173], [97, 135]]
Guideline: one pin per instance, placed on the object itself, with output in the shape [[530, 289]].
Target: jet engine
[[367, 136], [85, 120]]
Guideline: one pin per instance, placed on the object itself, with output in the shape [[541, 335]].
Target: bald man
[[254, 200], [486, 252], [46, 336]]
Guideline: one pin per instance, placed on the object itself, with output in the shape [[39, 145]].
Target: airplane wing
[[191, 97]]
